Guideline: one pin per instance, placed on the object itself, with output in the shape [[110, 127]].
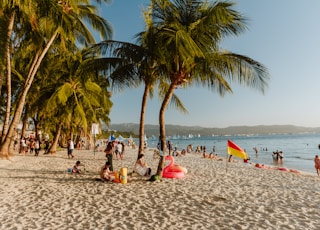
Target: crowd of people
[[31, 145], [115, 150]]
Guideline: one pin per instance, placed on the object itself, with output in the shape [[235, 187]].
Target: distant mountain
[[232, 130]]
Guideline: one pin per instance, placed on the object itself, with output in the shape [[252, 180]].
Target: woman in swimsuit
[[317, 164]]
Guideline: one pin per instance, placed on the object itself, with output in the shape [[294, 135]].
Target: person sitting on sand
[[204, 153], [213, 156], [76, 168], [141, 167], [317, 164], [106, 174], [189, 148]]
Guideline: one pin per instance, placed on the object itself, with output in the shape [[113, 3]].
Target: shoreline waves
[[38, 193]]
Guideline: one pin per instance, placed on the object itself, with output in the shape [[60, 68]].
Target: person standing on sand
[[123, 150], [70, 149], [36, 147], [317, 164], [170, 147], [109, 154]]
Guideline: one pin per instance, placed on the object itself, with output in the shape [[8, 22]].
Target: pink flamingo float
[[173, 170]]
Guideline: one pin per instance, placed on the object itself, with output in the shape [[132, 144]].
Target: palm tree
[[189, 33], [11, 10], [79, 97], [133, 65], [63, 20]]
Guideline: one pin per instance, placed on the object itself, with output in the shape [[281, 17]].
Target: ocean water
[[299, 150]]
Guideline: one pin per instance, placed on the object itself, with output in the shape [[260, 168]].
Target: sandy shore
[[38, 193]]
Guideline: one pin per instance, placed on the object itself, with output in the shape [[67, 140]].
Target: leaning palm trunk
[[8, 60], [163, 146], [5, 151], [53, 147], [142, 116], [24, 121]]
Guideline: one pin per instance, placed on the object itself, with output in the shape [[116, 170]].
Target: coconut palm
[[11, 10], [189, 35], [132, 66], [79, 97], [62, 20]]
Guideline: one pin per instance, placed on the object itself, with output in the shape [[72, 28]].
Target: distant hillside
[[233, 130]]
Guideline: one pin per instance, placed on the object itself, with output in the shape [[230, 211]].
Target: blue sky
[[283, 35]]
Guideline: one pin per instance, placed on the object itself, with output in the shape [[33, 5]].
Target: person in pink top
[[317, 164]]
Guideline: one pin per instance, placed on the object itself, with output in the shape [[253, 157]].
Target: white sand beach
[[38, 193]]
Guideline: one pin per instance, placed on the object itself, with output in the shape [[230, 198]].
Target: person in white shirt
[[37, 147], [118, 150], [70, 149]]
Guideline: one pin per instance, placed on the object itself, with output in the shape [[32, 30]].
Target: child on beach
[[317, 164], [76, 168], [106, 174]]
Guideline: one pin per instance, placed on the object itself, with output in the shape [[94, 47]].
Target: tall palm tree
[[133, 65], [75, 95], [63, 20], [11, 10], [189, 35]]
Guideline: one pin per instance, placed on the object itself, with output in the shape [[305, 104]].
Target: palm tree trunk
[[53, 147], [5, 146], [163, 146], [36, 122], [8, 60], [24, 121], [142, 116]]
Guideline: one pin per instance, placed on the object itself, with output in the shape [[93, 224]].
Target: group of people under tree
[[107, 171], [113, 149], [140, 167], [32, 145]]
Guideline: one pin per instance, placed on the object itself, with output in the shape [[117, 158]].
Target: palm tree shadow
[[50, 175]]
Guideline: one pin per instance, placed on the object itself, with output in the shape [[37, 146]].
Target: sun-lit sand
[[38, 193]]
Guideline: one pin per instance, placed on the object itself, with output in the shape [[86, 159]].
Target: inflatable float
[[294, 171], [283, 169], [173, 170], [261, 166]]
